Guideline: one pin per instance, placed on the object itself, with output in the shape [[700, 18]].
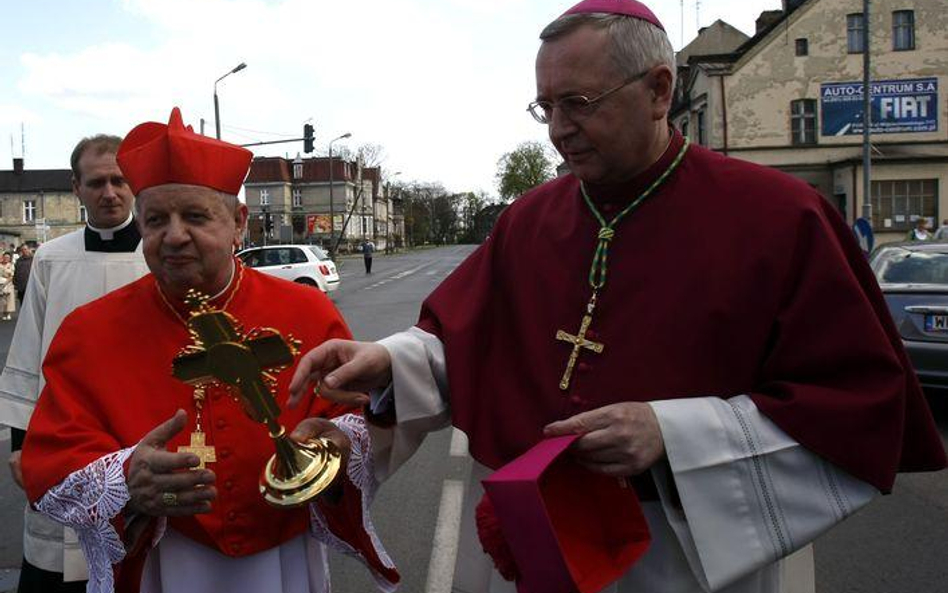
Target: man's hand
[[312, 428], [618, 440], [156, 481], [341, 371], [15, 469]]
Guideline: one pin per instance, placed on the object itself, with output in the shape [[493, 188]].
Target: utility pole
[[682, 21], [866, 117], [332, 206]]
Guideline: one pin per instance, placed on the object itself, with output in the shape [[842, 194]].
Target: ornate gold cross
[[220, 353], [205, 453], [579, 342]]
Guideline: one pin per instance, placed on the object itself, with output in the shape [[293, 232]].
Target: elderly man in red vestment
[[747, 378], [104, 454]]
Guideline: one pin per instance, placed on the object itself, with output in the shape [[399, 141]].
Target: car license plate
[[936, 323]]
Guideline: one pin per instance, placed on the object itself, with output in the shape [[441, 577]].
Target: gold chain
[[199, 393], [238, 272]]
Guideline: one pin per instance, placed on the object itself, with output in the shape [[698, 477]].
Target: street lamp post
[[217, 115], [332, 206], [866, 115]]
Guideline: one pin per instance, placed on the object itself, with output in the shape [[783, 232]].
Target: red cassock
[[109, 383], [731, 279]]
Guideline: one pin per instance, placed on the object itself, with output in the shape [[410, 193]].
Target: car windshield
[[320, 254], [904, 266]]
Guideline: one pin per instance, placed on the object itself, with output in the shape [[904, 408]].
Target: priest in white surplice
[[746, 378], [67, 272]]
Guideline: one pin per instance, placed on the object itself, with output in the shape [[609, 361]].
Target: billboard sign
[[317, 224], [898, 106]]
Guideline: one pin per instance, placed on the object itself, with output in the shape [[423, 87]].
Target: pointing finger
[[164, 432], [366, 366], [312, 367]]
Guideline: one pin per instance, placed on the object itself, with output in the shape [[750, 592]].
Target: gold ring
[[169, 499]]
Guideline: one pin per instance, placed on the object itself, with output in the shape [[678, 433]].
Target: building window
[[803, 47], [297, 170], [896, 205], [29, 210], [803, 121], [83, 213], [264, 197], [684, 127], [702, 132], [297, 198], [855, 33], [903, 30]]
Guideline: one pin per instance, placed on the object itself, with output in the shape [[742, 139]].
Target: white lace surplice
[[88, 499]]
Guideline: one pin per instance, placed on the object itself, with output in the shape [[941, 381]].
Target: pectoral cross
[[204, 453], [222, 354], [579, 342]]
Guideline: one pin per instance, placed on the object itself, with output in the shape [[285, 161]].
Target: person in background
[[7, 293], [920, 232], [67, 272], [942, 233], [368, 249], [21, 272]]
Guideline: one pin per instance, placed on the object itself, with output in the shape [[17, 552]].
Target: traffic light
[[268, 223], [307, 138]]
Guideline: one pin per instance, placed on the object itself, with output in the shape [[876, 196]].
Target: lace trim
[[362, 475], [86, 501]]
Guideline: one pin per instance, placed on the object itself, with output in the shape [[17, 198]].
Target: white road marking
[[398, 276], [458, 443], [444, 549], [401, 275]]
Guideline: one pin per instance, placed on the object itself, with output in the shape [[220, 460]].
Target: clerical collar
[[233, 273], [123, 238], [621, 193]]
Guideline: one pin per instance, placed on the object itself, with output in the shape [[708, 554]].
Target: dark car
[[914, 280]]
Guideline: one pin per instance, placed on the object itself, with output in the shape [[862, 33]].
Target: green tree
[[425, 215], [470, 204], [524, 168]]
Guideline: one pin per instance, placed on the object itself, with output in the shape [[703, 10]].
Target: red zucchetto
[[625, 7], [155, 154]]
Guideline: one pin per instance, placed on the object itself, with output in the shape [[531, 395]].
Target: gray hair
[[637, 45], [230, 200]]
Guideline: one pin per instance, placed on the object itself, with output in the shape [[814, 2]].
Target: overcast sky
[[442, 85]]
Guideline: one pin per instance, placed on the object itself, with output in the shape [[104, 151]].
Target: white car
[[306, 264]]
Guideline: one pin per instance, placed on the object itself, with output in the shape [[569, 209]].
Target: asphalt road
[[899, 544]]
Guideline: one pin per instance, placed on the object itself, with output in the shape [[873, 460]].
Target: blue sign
[[863, 230], [898, 106]]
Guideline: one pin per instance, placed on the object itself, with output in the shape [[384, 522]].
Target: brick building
[[295, 194]]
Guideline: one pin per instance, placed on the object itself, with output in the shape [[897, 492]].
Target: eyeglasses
[[576, 106]]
